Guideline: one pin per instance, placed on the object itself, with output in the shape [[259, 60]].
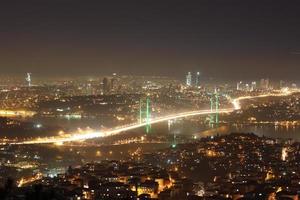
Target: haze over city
[[223, 39]]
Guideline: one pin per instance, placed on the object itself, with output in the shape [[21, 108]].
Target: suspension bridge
[[145, 119]]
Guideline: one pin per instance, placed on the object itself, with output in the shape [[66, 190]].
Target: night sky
[[225, 39]]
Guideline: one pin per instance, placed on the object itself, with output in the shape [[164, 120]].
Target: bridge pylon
[[145, 113], [214, 108], [217, 107], [211, 117]]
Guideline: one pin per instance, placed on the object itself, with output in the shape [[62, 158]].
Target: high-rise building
[[113, 82], [106, 85], [262, 83], [28, 79], [189, 79], [253, 86], [281, 84], [247, 87], [197, 83], [294, 85], [239, 85], [265, 84]]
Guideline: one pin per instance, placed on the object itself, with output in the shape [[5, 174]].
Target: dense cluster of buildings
[[193, 80], [282, 111], [264, 84], [235, 166], [115, 98]]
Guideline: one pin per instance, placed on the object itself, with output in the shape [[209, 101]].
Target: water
[[272, 131], [203, 130], [60, 157], [186, 127]]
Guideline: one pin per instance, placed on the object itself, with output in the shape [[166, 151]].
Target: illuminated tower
[[239, 85], [211, 120], [253, 86], [141, 111], [169, 125], [174, 144], [217, 107], [189, 79], [28, 79], [214, 108], [114, 82], [197, 79], [148, 115], [145, 115]]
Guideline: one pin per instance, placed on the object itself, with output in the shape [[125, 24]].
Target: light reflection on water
[[200, 129], [272, 131], [187, 127], [283, 132]]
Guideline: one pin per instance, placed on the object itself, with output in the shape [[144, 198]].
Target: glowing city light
[[284, 154], [90, 134]]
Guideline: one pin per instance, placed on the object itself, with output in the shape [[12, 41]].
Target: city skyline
[[225, 40]]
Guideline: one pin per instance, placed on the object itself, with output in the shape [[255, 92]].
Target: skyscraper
[[28, 79], [247, 87], [265, 84], [281, 84], [189, 79], [239, 85], [113, 82], [253, 85], [197, 79], [106, 85]]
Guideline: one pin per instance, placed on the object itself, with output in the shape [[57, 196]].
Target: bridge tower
[[214, 106], [169, 124], [217, 107], [211, 118], [145, 113], [174, 142], [148, 115]]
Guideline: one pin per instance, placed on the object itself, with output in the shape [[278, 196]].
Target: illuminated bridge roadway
[[114, 131]]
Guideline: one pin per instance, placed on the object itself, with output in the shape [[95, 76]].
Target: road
[[17, 113]]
